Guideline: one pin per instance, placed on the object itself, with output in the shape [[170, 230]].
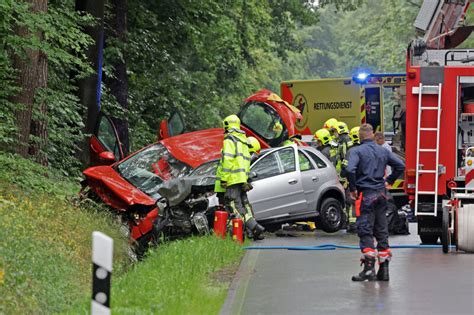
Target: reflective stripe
[[239, 170], [248, 216], [229, 155], [235, 155]]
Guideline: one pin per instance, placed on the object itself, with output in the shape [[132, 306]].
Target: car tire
[[330, 215], [429, 239]]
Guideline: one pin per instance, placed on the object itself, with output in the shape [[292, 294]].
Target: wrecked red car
[[130, 184]]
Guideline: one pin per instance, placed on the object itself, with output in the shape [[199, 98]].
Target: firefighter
[[330, 125], [354, 135], [344, 140], [277, 129], [350, 204], [254, 145], [235, 166], [325, 145], [365, 171]]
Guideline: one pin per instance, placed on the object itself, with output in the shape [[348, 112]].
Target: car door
[[312, 176], [171, 127], [104, 144], [278, 189]]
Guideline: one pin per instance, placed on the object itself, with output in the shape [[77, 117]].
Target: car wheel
[[330, 215], [429, 239]]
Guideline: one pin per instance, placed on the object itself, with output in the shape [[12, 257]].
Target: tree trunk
[[88, 86], [28, 71], [118, 84], [39, 123]]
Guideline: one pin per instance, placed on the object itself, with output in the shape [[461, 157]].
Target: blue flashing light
[[361, 77]]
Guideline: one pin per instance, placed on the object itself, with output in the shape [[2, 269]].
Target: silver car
[[292, 184]]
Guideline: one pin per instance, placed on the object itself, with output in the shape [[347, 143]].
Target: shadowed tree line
[[199, 57]]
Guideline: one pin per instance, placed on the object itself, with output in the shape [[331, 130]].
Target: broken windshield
[[148, 169]]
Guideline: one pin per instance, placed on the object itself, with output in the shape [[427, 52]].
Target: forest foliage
[[199, 57]]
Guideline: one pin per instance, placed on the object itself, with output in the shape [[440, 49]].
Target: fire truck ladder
[[424, 90]]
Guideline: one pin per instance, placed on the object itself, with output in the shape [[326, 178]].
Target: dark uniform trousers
[[236, 199], [372, 221]]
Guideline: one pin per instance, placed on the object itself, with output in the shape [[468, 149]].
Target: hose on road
[[335, 246]]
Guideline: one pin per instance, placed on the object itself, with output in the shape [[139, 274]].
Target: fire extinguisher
[[220, 223], [238, 230]]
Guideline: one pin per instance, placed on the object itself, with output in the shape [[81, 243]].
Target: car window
[[176, 124], [305, 163], [264, 121], [287, 158], [267, 166], [319, 162], [106, 136]]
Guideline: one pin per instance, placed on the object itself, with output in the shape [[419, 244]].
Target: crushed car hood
[[113, 189], [196, 148]]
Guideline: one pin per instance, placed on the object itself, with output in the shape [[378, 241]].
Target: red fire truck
[[439, 112]]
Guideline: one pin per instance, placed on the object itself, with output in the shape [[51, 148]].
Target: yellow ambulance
[[364, 98]]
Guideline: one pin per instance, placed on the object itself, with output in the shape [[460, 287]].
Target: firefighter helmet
[[341, 127], [253, 144], [323, 135], [354, 134], [231, 122], [330, 123]]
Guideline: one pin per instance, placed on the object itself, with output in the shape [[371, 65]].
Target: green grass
[[45, 255], [45, 242], [182, 277]]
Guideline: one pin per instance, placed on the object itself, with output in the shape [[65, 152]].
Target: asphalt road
[[423, 281]]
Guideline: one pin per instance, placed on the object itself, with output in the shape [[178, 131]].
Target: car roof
[[196, 148]]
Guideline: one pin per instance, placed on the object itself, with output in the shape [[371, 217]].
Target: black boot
[[384, 258], [369, 270], [258, 233], [255, 229], [382, 273]]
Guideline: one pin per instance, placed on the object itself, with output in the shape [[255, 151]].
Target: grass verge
[[45, 255], [45, 242], [182, 277]]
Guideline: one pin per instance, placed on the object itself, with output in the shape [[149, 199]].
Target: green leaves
[[203, 58], [59, 35]]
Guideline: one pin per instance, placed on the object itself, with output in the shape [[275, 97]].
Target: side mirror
[[107, 157], [253, 174]]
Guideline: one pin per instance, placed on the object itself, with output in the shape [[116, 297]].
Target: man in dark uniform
[[366, 170]]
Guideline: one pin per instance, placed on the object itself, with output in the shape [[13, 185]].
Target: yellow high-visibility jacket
[[235, 160]]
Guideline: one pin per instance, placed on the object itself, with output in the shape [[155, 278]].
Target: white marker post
[[102, 256]]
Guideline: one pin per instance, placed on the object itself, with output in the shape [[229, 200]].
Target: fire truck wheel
[[445, 237], [429, 239], [330, 215]]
